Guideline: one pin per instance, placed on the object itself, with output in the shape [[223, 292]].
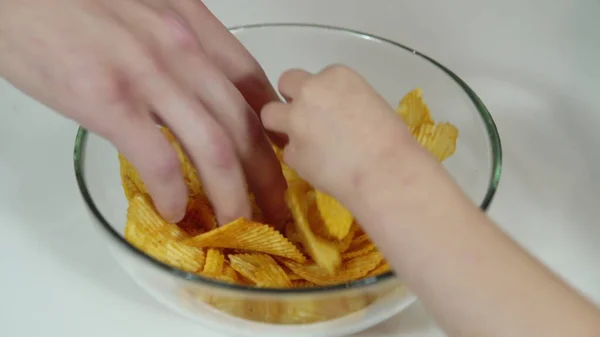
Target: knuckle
[[166, 169], [337, 71], [97, 83], [221, 150]]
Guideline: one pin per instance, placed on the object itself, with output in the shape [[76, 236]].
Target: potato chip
[[359, 250], [249, 235], [345, 243], [214, 262], [383, 268], [359, 239], [190, 175], [142, 210], [130, 178], [147, 231], [199, 216], [413, 110], [302, 284], [350, 270], [336, 218], [256, 211], [323, 252], [261, 269], [439, 140]]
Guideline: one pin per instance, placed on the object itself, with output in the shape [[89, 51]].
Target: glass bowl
[[339, 310]]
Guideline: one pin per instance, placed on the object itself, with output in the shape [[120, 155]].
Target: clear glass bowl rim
[[496, 170]]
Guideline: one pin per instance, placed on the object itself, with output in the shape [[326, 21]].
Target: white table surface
[[531, 61]]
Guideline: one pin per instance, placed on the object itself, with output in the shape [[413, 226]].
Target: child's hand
[[339, 128]]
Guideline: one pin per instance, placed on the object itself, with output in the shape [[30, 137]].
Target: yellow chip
[[130, 178], [345, 243], [142, 210], [413, 110], [359, 250], [323, 252], [383, 268], [350, 270], [336, 218], [359, 240], [249, 235], [261, 269], [214, 262], [190, 175], [256, 211], [147, 231], [199, 216], [302, 284], [439, 140]]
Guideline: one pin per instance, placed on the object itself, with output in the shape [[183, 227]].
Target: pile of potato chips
[[321, 245]]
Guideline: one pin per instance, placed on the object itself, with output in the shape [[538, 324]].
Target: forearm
[[472, 277]]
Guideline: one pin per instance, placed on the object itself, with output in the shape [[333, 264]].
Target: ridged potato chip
[[336, 218], [147, 231], [350, 270], [248, 235], [302, 284], [261, 269], [190, 175], [199, 216], [413, 110], [439, 140], [359, 250], [383, 268], [214, 262], [323, 252], [130, 178]]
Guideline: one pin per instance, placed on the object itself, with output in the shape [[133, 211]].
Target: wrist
[[406, 189]]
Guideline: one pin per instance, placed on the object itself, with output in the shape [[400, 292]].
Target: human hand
[[118, 66], [340, 130]]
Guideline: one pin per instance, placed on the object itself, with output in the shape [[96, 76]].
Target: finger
[[291, 82], [142, 143], [226, 52], [207, 144], [275, 117], [232, 112]]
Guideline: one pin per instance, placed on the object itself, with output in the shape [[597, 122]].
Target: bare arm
[[473, 278]]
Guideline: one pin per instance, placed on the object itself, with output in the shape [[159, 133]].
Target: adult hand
[[119, 66]]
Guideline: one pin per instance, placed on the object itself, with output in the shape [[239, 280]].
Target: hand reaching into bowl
[[347, 141], [118, 66]]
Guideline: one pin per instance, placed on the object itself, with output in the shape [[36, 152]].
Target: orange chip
[[336, 218], [323, 252], [350, 270], [147, 231], [249, 235], [261, 269], [413, 110], [439, 140]]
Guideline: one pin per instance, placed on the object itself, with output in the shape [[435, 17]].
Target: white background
[[533, 62]]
